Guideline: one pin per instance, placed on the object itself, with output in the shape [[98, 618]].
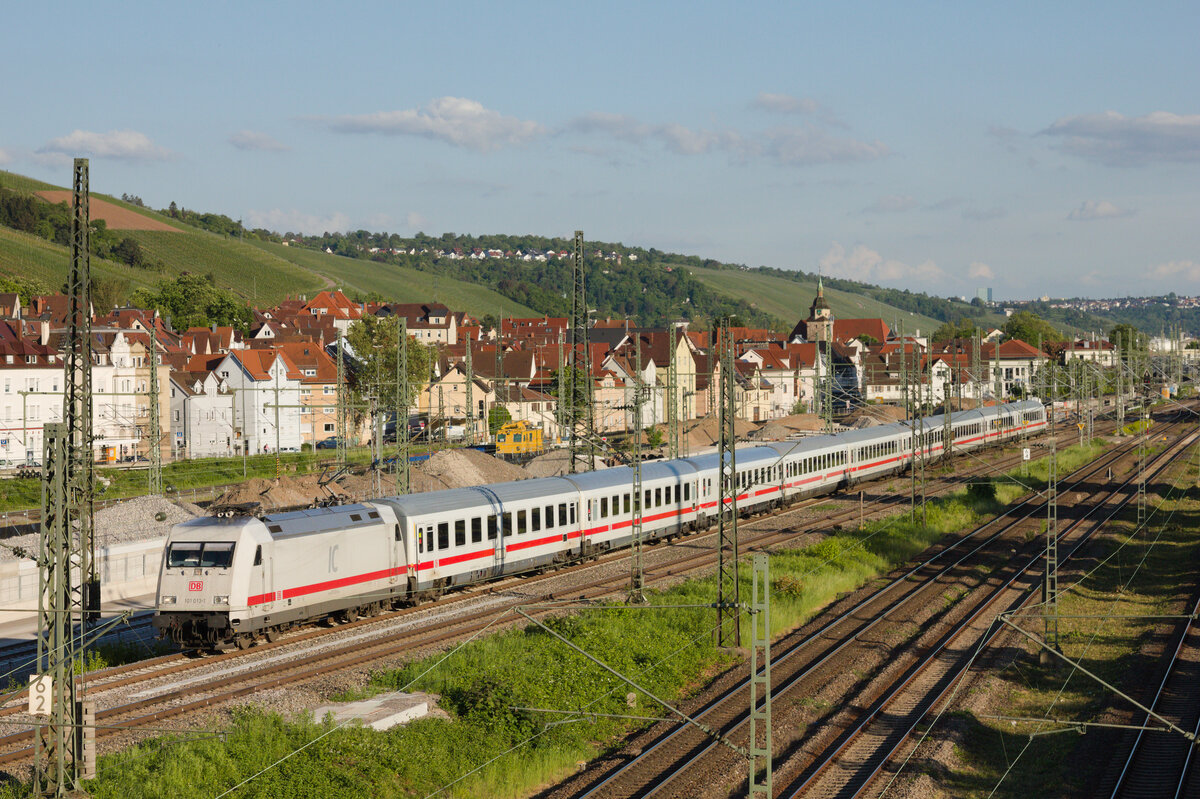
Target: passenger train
[[229, 581]]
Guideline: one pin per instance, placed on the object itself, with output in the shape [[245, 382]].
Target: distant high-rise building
[[989, 294]]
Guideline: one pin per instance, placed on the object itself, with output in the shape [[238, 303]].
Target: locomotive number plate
[[196, 585]]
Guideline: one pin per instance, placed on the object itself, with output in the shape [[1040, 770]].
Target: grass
[[29, 256], [789, 299], [1065, 764], [403, 284], [669, 650]]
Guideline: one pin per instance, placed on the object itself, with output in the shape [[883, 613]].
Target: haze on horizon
[[1034, 149]]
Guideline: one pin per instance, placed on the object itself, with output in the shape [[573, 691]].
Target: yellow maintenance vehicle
[[518, 438]]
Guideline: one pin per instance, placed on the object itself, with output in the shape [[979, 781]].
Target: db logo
[[196, 585]]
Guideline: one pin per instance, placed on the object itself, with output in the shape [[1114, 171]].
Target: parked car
[[328, 443]]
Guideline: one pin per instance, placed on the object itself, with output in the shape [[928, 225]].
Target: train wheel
[[272, 635], [243, 641]]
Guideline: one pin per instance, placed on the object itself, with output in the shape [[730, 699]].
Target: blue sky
[[1036, 148]]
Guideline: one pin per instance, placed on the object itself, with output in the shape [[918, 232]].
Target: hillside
[[396, 282], [789, 300], [247, 271]]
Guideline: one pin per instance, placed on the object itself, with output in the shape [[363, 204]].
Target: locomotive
[[228, 582]]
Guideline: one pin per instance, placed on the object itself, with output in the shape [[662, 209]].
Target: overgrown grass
[[484, 685]]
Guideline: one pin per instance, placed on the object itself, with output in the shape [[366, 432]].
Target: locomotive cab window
[[207, 555], [258, 555], [397, 532]]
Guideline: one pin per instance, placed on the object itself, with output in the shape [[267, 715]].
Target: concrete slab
[[380, 712]]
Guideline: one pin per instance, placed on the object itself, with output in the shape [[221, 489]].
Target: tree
[[1129, 338], [173, 210], [130, 252], [108, 292], [868, 340], [194, 301], [961, 328], [498, 416], [374, 342], [1029, 327]]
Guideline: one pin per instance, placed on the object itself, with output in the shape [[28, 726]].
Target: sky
[[1035, 148]]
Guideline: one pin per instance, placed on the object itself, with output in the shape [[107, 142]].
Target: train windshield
[[207, 555]]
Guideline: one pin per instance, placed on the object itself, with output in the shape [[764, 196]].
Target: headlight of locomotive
[[221, 600], [168, 600]]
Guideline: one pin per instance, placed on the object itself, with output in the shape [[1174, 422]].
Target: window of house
[[329, 427]]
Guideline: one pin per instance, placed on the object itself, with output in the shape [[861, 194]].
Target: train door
[[424, 558], [261, 582]]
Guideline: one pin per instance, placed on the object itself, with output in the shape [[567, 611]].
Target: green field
[[790, 299], [400, 283]]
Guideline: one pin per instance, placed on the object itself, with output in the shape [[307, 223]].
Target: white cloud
[[805, 146], [1188, 270], [977, 270], [785, 104], [1101, 209], [1114, 139], [123, 145], [254, 140], [893, 203], [294, 221], [863, 263], [676, 138], [454, 120], [416, 221]]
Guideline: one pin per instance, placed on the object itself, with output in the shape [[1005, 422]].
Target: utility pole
[[1141, 484], [61, 747], [728, 628], [470, 400], [582, 419], [563, 421], [998, 378], [977, 367], [637, 581], [1050, 581], [403, 484], [673, 436], [341, 415], [760, 679], [827, 386], [155, 453]]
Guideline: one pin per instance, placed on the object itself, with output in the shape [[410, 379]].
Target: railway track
[[214, 691], [815, 655], [874, 738], [1163, 764]]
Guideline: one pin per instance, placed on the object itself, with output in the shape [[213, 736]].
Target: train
[[231, 581]]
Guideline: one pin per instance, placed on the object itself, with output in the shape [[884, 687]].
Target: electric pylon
[[403, 480], [470, 400], [673, 435], [637, 581], [1050, 581], [580, 406], [156, 484], [760, 677], [728, 628], [342, 410]]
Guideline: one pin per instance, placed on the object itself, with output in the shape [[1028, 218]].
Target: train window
[[626, 504], [603, 507], [667, 495], [658, 498], [572, 506], [443, 539], [372, 515], [184, 555], [460, 532], [646, 500], [492, 527], [562, 514], [616, 504], [522, 523], [549, 516], [429, 538], [355, 517], [509, 527], [397, 532], [687, 492], [258, 555], [535, 520], [476, 530]]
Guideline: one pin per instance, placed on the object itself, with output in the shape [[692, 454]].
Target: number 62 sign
[[41, 694]]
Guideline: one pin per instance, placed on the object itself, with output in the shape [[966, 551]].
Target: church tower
[[819, 325]]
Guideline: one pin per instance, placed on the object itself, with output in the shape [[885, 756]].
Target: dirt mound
[[459, 468], [556, 463], [293, 491], [879, 414], [114, 216], [706, 432]]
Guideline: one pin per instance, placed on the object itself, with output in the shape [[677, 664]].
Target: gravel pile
[[132, 520], [460, 468], [555, 464]]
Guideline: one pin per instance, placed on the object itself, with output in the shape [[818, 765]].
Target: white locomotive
[[229, 581]]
